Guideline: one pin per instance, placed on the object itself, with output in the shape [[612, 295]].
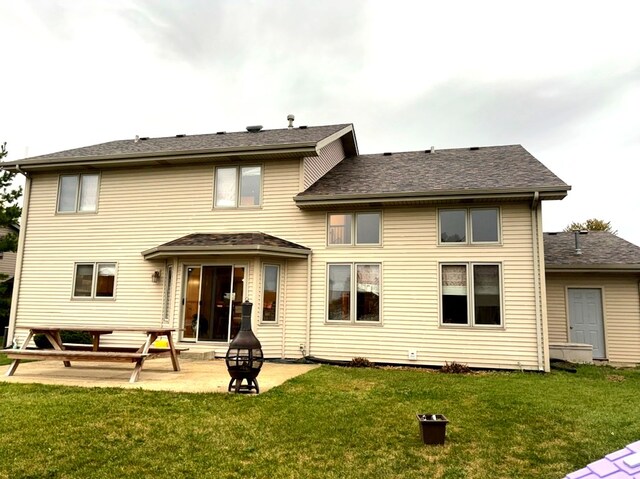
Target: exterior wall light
[[155, 277]]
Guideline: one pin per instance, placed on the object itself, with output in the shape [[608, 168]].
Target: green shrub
[[78, 337], [455, 368], [360, 363]]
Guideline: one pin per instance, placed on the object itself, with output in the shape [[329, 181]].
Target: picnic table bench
[[66, 352]]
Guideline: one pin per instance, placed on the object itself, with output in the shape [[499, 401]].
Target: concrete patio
[[196, 376]]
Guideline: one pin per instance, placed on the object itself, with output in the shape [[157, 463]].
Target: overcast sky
[[562, 78]]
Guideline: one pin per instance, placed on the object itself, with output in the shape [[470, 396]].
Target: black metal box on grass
[[432, 428]]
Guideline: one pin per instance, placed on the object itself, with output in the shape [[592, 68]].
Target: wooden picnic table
[[95, 352]]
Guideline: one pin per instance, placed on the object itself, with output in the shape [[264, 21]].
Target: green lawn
[[332, 422]]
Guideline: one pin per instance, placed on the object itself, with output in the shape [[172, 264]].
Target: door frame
[[202, 265], [602, 308]]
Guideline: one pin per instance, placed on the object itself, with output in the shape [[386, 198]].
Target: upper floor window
[[94, 280], [469, 225], [78, 193], [342, 229], [238, 186], [471, 294]]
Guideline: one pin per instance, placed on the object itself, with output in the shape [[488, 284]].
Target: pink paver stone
[[612, 466]]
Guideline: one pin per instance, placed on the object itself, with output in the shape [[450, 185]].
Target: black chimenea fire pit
[[244, 357]]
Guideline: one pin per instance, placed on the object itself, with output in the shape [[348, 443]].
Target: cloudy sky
[[562, 78]]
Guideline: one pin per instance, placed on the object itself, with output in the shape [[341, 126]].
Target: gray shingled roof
[[451, 170], [203, 243], [599, 249], [190, 143]]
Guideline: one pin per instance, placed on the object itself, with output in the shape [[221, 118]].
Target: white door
[[585, 319]]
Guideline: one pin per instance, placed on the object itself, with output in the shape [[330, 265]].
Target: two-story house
[[416, 257]]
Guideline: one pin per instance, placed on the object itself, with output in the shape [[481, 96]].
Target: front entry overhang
[[222, 244]]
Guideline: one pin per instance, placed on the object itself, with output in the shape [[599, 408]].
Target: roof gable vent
[[254, 128]]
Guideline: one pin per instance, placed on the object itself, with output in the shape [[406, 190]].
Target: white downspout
[[536, 278], [307, 346], [19, 255]]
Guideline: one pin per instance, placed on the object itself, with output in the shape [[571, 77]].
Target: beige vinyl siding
[[621, 310], [144, 207], [138, 209], [410, 295], [315, 168]]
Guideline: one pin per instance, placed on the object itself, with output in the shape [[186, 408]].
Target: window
[[94, 280], [342, 229], [471, 299], [353, 297], [481, 225], [247, 180], [78, 193], [271, 280]]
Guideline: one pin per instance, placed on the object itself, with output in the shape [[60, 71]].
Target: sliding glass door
[[212, 301]]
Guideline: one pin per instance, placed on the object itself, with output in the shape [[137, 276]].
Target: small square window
[[78, 193], [94, 280], [469, 225], [342, 229], [238, 186]]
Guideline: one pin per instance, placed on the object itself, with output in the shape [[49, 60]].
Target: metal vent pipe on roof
[[577, 234], [290, 119]]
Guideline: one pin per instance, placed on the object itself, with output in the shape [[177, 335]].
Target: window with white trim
[[238, 186], [353, 292], [471, 294], [94, 280], [270, 290], [353, 228], [469, 225], [78, 193]]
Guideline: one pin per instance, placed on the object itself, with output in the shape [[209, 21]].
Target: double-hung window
[[78, 193], [354, 228], [94, 280], [353, 292], [238, 186], [471, 294], [469, 225], [270, 289]]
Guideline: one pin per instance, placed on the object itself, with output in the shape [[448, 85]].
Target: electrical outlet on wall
[[413, 354]]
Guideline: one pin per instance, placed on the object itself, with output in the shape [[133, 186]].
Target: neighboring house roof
[[299, 141], [621, 464], [599, 250], [418, 174], [227, 243]]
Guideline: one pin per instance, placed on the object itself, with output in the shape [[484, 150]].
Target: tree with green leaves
[[592, 224], [10, 212]]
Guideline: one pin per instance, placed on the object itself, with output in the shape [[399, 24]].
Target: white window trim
[[76, 211], [94, 281], [278, 292], [470, 295], [238, 169], [468, 227], [353, 315], [354, 230]]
